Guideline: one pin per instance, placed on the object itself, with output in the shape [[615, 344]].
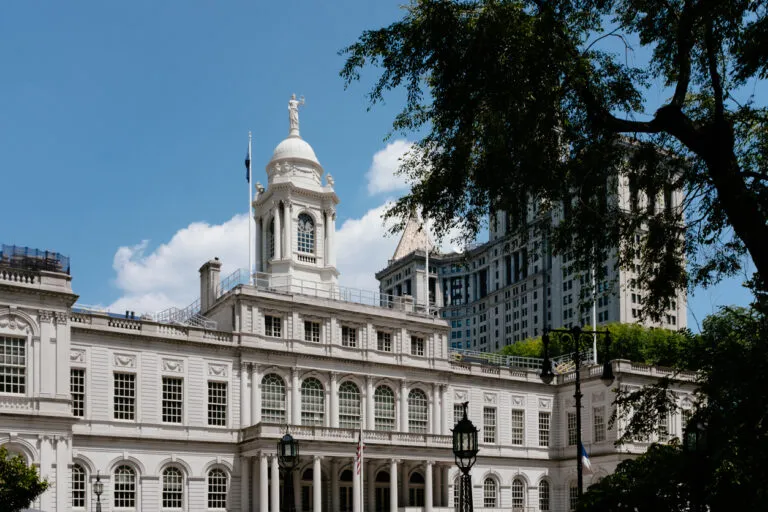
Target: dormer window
[[306, 234]]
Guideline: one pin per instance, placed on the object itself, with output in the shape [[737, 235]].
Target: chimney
[[210, 278]]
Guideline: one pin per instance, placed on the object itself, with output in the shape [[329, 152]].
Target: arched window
[[416, 489], [306, 234], [349, 405], [13, 365], [173, 488], [272, 399], [217, 489], [490, 493], [417, 411], [544, 496], [312, 402], [573, 495], [384, 408], [125, 487], [518, 496], [78, 486]]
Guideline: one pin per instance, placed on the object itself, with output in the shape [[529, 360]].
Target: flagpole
[[250, 215], [362, 480], [426, 292]]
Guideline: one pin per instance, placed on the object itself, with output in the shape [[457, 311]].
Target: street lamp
[[98, 488], [465, 451], [607, 377], [288, 459], [696, 446]]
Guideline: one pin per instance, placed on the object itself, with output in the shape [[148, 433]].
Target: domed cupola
[[294, 160]]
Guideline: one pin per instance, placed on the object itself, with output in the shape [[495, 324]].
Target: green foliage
[[521, 101], [19, 484], [731, 357], [635, 342]]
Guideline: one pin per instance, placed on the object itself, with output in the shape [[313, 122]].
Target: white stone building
[[183, 410], [504, 290]]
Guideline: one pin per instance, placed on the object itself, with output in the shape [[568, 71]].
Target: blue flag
[[585, 462], [248, 165]]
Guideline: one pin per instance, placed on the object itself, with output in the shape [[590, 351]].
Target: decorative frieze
[[15, 323], [45, 316], [77, 355], [217, 370], [61, 318], [124, 360], [545, 403], [517, 401], [490, 398], [173, 365]]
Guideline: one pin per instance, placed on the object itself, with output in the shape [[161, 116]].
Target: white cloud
[[382, 175], [167, 276]]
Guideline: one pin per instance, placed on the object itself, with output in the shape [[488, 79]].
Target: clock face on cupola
[[295, 214]]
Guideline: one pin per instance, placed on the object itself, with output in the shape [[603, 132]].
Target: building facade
[[507, 290], [183, 410]]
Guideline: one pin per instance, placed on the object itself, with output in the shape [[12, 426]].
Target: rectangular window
[[217, 403], [13, 365], [77, 389], [384, 341], [273, 326], [348, 336], [458, 413], [599, 423], [489, 424], [417, 346], [518, 432], [664, 430], [571, 429], [125, 396], [312, 331], [173, 399], [544, 418]]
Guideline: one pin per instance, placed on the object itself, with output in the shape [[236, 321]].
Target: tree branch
[[717, 86], [683, 59]]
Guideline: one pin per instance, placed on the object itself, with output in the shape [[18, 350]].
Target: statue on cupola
[[296, 213]]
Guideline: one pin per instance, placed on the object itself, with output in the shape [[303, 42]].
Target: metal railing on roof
[[560, 365], [292, 285], [33, 259]]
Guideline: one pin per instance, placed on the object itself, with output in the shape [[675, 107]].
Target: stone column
[[258, 245], [446, 486], [432, 411], [263, 483], [295, 398], [333, 399], [245, 411], [403, 407], [317, 496], [288, 230], [444, 409], [355, 489], [393, 486], [245, 477], [255, 483], [335, 504], [371, 491], [275, 483], [404, 484], [437, 497], [428, 487], [369, 422], [264, 253], [331, 235], [255, 395], [278, 233]]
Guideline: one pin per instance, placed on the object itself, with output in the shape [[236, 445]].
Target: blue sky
[[124, 127]]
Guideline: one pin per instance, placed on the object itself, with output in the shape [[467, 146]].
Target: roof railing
[[18, 256]]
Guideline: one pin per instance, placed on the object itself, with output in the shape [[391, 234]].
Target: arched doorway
[[416, 490], [382, 491], [346, 499]]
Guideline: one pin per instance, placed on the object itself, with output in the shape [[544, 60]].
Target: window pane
[[272, 399], [125, 396], [13, 364], [173, 488], [217, 489], [544, 496], [306, 234], [384, 341], [312, 402], [417, 411], [517, 427], [599, 423], [348, 336], [77, 389], [217, 403], [349, 405], [489, 493], [172, 399], [78, 486], [489, 425], [125, 487], [312, 331], [417, 346], [544, 418], [518, 497], [384, 408], [571, 429]]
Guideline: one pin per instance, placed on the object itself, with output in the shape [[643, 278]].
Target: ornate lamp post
[[98, 488], [696, 446], [288, 459], [575, 336], [465, 451]]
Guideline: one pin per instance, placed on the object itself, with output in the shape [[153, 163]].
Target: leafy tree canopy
[[730, 405], [635, 342], [19, 484], [522, 104]]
